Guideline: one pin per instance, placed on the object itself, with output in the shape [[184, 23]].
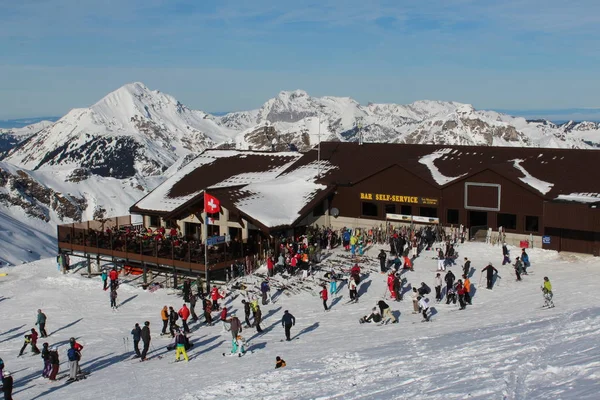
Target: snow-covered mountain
[[10, 137]]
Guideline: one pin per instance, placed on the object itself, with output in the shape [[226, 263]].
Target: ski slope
[[503, 347]]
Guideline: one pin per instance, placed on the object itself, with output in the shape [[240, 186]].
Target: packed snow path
[[503, 347]]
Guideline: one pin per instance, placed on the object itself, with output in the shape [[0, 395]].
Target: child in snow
[[375, 316], [279, 362], [181, 344], [113, 298]]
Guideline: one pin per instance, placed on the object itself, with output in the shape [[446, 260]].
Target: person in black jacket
[[490, 275], [137, 336], [46, 358], [7, 385], [449, 278], [287, 321], [466, 267], [386, 312], [247, 312], [173, 317], [145, 335], [54, 363], [382, 257]]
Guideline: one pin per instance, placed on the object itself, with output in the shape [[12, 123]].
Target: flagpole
[[205, 238]]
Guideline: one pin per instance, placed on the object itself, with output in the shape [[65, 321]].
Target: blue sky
[[231, 55]]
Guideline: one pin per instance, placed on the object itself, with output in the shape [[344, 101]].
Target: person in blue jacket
[[137, 336], [525, 261], [265, 289]]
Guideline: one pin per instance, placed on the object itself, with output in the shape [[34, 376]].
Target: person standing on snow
[[438, 287], [180, 343], [46, 358], [505, 254], [264, 289], [104, 280], [415, 299], [397, 287], [525, 260], [352, 289], [74, 356], [224, 322], [114, 278], [449, 279], [7, 385], [146, 339], [137, 336], [246, 313], [518, 268], [424, 306], [173, 317], [467, 285], [54, 363], [208, 312], [113, 298], [460, 290], [193, 298], [258, 320], [332, 283], [235, 325], [184, 313], [547, 290], [386, 312], [467, 267], [215, 296], [324, 297], [441, 261], [490, 271], [41, 321], [382, 258], [287, 321], [164, 316]]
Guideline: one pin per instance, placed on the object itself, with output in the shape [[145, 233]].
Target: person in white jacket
[[415, 299], [424, 304], [438, 287], [353, 291]]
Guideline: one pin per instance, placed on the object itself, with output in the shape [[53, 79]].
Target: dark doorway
[[478, 218]]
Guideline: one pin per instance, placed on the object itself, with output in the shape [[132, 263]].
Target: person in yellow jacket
[[547, 290], [164, 315], [353, 241]]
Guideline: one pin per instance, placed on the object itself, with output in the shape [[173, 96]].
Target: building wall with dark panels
[[572, 216], [394, 185], [514, 199]]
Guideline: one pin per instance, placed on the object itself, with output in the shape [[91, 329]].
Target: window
[[154, 220], [319, 209], [406, 210], [451, 216], [390, 209], [532, 224], [369, 209], [507, 221], [430, 212]]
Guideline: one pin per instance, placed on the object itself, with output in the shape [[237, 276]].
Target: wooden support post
[[89, 265], [174, 278], [145, 272], [98, 263]]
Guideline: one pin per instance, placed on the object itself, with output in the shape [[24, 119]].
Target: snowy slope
[[132, 130], [10, 137], [503, 347]]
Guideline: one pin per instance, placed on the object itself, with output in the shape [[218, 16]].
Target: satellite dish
[[335, 212]]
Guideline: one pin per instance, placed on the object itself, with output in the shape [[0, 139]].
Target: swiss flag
[[211, 204]]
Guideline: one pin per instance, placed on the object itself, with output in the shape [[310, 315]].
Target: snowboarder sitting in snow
[[279, 362], [424, 289], [375, 316], [238, 345]]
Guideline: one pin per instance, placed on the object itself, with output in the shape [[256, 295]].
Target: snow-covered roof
[[580, 197], [429, 161], [170, 195], [541, 186], [279, 201]]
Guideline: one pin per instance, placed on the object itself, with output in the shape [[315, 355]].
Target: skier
[[104, 276], [246, 312], [184, 313], [467, 285], [113, 298], [74, 356], [164, 316], [353, 290], [505, 255], [146, 339], [449, 279], [375, 316], [547, 290], [46, 358], [441, 261], [386, 312], [173, 317], [324, 297], [467, 267], [460, 290], [114, 278], [137, 336], [438, 287], [264, 289], [518, 268], [525, 260], [415, 299], [7, 385], [490, 270], [73, 343], [424, 305], [287, 321], [41, 321], [279, 362], [332, 283], [180, 344], [382, 257], [235, 325], [54, 363], [258, 319]]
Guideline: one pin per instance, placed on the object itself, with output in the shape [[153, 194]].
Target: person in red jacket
[[215, 296], [224, 319], [270, 266], [390, 283], [184, 313], [114, 277], [460, 290], [324, 296]]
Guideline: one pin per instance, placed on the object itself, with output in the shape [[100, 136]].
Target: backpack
[[176, 317], [73, 355]]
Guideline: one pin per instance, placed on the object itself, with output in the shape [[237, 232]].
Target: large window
[[390, 209], [154, 220], [451, 216], [369, 209], [406, 210], [532, 224], [430, 212], [507, 221]]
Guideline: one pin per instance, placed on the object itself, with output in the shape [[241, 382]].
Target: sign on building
[[545, 239]]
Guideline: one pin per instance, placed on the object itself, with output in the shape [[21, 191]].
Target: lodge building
[[550, 195]]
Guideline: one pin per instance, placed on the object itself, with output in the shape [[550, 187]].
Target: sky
[[231, 55]]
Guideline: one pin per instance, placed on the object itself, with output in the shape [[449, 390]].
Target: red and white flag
[[211, 204]]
